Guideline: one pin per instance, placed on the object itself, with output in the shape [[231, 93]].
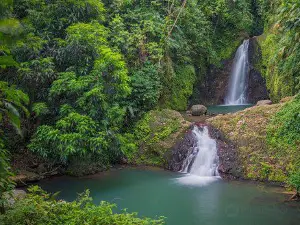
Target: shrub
[[39, 207], [294, 180], [283, 138]]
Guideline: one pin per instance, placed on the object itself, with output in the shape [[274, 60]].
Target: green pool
[[153, 192]]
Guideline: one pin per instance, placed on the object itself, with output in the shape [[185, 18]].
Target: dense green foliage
[[283, 136], [294, 180], [95, 72], [39, 207], [153, 136], [93, 68], [89, 98], [12, 103], [6, 185], [284, 130], [281, 48]]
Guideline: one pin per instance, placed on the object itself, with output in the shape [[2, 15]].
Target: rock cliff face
[[181, 150], [229, 163], [213, 89], [256, 84], [229, 166]]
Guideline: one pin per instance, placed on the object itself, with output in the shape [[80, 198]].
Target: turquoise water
[[223, 109], [155, 192]]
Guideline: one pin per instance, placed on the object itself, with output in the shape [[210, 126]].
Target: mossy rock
[[155, 134], [247, 129], [24, 177]]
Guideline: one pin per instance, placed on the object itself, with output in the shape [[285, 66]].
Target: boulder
[[198, 110], [14, 195], [264, 102], [158, 132], [188, 113], [25, 177], [181, 150]]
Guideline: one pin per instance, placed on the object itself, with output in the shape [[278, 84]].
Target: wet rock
[[256, 84], [198, 110], [264, 102], [245, 142], [124, 161], [42, 168], [229, 166], [181, 151], [188, 113], [91, 164], [25, 177]]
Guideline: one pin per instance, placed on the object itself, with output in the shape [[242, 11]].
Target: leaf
[[13, 116], [7, 61]]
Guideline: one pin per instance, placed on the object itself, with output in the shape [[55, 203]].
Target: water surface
[[223, 109], [155, 192]]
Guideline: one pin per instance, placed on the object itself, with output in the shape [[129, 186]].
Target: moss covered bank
[[264, 151]]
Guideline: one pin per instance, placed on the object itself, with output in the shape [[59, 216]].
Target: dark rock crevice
[[213, 89], [256, 84]]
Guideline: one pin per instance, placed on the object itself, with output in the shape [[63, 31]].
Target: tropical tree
[[12, 105]]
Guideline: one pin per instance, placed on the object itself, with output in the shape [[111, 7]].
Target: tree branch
[[180, 11]]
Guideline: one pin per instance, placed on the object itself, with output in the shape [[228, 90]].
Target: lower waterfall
[[201, 166]]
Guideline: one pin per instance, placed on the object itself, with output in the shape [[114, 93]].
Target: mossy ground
[[155, 135], [248, 130]]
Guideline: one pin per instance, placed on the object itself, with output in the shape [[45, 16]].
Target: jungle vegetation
[[77, 76]]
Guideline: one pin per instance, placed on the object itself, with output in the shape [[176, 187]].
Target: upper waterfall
[[240, 69]]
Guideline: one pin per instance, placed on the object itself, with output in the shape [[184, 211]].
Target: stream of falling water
[[240, 69], [201, 166]]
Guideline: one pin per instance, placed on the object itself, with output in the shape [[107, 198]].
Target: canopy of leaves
[[281, 48], [283, 135], [11, 102]]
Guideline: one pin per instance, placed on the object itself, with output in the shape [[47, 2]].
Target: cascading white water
[[237, 86], [203, 160], [202, 163]]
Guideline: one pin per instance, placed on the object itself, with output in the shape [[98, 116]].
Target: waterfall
[[201, 165], [240, 69]]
